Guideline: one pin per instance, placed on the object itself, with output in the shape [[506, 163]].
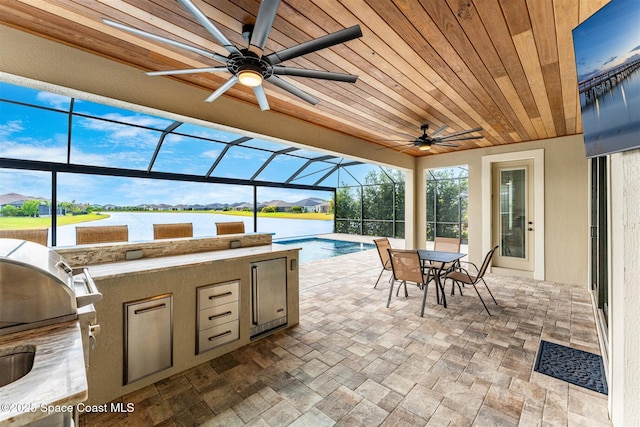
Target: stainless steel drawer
[[217, 315], [210, 296], [149, 337], [218, 335]]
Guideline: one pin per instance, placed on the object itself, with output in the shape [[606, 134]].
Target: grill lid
[[36, 285], [36, 256]]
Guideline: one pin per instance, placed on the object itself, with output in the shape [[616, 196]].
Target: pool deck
[[353, 362]]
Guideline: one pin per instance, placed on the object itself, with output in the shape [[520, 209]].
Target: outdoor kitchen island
[[193, 307]]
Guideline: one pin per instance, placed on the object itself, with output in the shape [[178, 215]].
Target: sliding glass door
[[599, 223]]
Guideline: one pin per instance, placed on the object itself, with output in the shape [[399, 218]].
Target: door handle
[[217, 316], [226, 294], [254, 295], [148, 309]]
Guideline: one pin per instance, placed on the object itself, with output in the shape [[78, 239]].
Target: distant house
[[324, 207], [160, 207], [17, 200], [216, 206], [280, 205], [310, 204], [243, 206]]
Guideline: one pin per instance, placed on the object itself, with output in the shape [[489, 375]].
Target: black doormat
[[571, 365]]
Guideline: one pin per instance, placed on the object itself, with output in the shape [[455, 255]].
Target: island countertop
[[146, 265], [57, 380]]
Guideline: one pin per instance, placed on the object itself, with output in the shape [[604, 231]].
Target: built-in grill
[[38, 288]]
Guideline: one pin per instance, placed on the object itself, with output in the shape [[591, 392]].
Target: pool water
[[315, 248]]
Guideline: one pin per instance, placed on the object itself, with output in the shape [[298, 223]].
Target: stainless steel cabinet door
[[269, 290], [149, 337]]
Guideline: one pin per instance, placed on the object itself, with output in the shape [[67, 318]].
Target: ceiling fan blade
[[222, 89], [187, 71], [460, 133], [206, 23], [408, 148], [395, 146], [261, 97], [315, 74], [445, 144], [439, 130], [314, 45], [175, 43], [282, 84], [262, 27], [462, 138]]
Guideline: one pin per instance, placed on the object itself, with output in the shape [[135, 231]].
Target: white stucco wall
[[624, 289], [566, 216]]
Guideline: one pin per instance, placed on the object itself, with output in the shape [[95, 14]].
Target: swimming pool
[[315, 248]]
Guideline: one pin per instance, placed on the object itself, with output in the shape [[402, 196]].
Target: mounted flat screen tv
[[607, 49]]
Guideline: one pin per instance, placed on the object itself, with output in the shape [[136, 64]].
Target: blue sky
[[609, 38], [39, 134]]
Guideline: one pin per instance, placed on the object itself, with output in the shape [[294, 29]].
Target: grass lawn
[[21, 222], [304, 215]]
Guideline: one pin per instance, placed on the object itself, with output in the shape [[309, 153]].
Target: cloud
[[121, 130], [56, 101], [15, 145], [11, 127], [211, 154], [634, 49], [28, 183], [31, 152], [121, 134]]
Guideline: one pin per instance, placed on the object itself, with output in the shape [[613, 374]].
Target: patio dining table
[[444, 259]]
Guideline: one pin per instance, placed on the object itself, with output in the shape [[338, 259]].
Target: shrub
[[10, 210]]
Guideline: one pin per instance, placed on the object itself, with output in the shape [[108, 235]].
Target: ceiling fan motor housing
[[249, 61]]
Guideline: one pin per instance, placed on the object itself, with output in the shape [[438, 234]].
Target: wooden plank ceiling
[[506, 66]]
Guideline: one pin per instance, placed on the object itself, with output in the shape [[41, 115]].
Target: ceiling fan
[[251, 67], [425, 142]]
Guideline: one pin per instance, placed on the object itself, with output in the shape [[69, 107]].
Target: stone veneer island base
[[165, 272]]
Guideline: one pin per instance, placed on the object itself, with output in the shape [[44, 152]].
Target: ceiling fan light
[[425, 147], [250, 78]]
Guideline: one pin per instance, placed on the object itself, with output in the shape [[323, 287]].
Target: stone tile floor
[[353, 362]]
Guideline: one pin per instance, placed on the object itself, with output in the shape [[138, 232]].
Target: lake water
[[613, 122], [140, 225]]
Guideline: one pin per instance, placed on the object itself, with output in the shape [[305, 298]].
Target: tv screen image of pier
[[607, 50]]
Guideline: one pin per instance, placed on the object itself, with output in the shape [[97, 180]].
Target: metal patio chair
[[407, 267], [446, 244], [36, 235], [172, 231], [383, 246], [462, 275], [233, 227], [102, 234]]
